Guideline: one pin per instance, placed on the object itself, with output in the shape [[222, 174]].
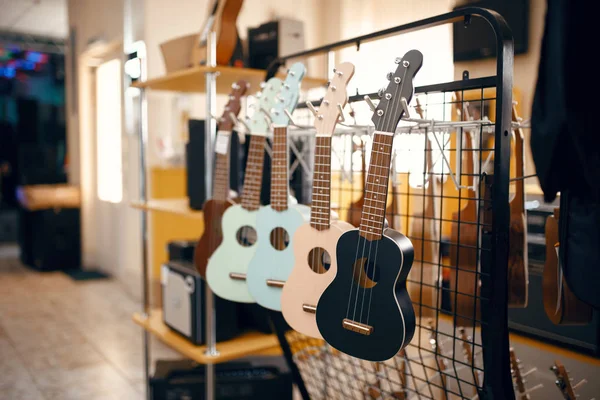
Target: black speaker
[[183, 292], [181, 250], [50, 239], [260, 378], [195, 163], [274, 39]]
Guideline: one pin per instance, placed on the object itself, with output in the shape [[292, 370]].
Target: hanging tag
[[222, 142]]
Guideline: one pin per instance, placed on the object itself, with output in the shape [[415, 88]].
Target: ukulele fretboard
[[279, 170], [320, 205], [221, 174], [373, 215], [253, 173]]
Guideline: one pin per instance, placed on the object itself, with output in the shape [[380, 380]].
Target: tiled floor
[[61, 339]]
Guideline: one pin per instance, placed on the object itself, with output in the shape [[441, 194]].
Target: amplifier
[[183, 304], [272, 40], [181, 250], [254, 378]]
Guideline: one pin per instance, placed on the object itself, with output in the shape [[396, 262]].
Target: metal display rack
[[444, 360]]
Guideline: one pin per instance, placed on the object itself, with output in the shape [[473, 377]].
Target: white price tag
[[222, 142]]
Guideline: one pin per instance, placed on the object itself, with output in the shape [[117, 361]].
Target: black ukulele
[[366, 311]]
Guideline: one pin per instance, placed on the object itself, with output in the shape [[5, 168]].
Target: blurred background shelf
[[174, 206], [193, 80], [250, 343]]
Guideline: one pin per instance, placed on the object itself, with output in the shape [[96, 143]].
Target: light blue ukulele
[[226, 269], [274, 258]]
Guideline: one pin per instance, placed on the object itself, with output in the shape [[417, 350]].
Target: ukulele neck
[[320, 205], [519, 200], [253, 173], [279, 170], [221, 173], [376, 188]]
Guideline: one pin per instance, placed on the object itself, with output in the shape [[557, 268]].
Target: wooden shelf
[[242, 346], [193, 80], [174, 206]]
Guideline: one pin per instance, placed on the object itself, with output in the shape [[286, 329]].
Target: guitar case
[[579, 232]]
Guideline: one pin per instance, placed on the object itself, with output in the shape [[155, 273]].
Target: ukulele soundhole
[[319, 260], [365, 272], [279, 238], [246, 236]]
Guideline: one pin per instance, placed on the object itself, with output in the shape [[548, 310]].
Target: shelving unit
[[248, 343], [174, 206], [192, 80]]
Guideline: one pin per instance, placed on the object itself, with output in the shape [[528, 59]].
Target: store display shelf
[[249, 343], [174, 206], [192, 80]]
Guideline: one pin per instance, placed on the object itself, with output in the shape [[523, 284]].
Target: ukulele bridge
[[237, 276], [309, 308], [357, 327], [275, 283]]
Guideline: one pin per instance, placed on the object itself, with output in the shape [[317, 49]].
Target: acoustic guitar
[[227, 267], [366, 311], [518, 273], [355, 210], [222, 17], [214, 208], [276, 223], [464, 284], [423, 277], [392, 212], [314, 242], [560, 304]]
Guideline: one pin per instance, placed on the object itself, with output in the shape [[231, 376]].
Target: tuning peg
[[313, 110], [405, 107], [342, 119], [258, 95], [338, 73], [333, 88], [370, 103], [235, 86], [292, 73], [263, 85], [325, 102], [398, 60], [286, 86], [389, 76], [381, 92]]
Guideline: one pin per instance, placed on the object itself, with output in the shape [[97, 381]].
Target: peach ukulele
[[366, 311], [314, 242], [214, 208]]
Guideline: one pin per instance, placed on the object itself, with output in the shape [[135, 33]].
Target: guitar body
[[390, 314], [226, 32], [231, 257], [212, 236], [268, 262], [518, 276], [570, 310], [464, 281], [305, 285]]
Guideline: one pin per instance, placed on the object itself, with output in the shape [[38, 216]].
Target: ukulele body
[[231, 257], [269, 263], [390, 314], [304, 285], [212, 236]]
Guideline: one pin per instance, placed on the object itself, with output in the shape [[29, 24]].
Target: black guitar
[[366, 311]]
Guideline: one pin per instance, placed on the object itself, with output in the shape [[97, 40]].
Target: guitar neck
[[320, 205], [519, 200], [376, 188], [279, 170], [221, 173], [254, 171]]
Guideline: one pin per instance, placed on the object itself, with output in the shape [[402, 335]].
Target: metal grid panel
[[434, 179]]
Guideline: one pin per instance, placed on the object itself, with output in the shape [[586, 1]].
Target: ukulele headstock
[[288, 95], [334, 101], [234, 104], [563, 382], [258, 124], [397, 95]]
